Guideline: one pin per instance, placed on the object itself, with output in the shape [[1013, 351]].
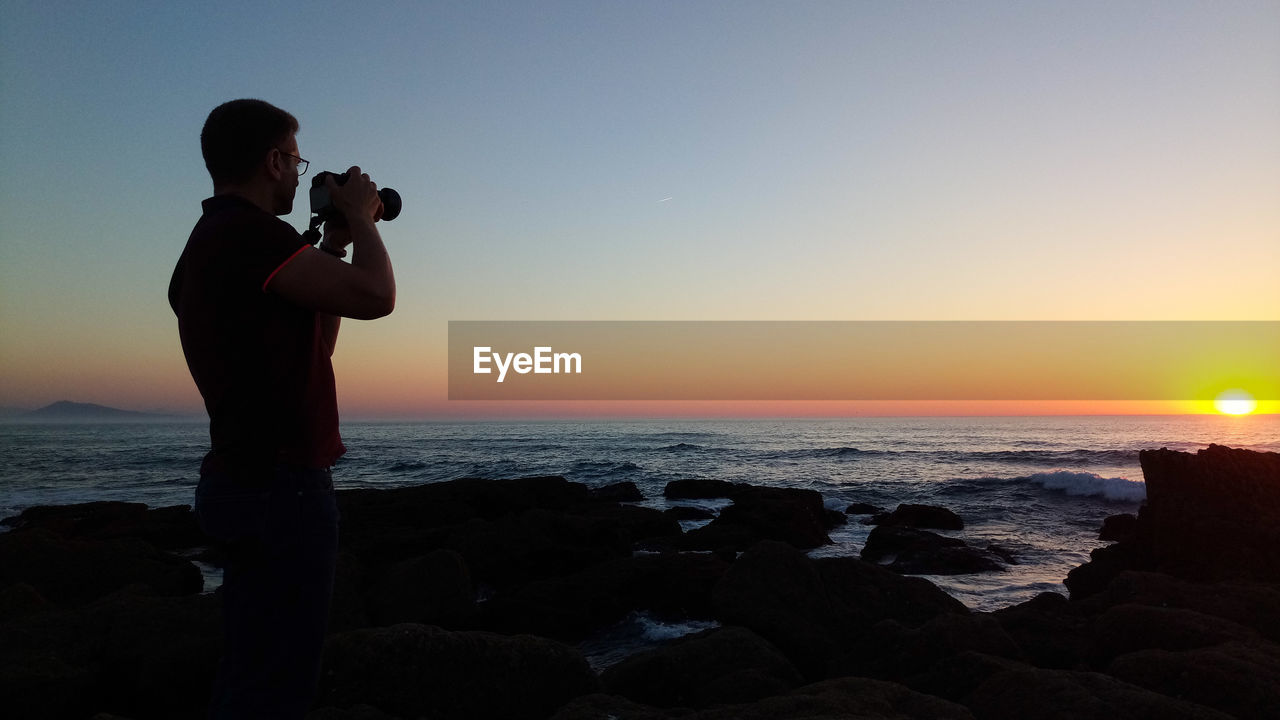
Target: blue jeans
[[281, 546]]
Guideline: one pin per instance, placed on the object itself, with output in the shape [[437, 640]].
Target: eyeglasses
[[302, 164]]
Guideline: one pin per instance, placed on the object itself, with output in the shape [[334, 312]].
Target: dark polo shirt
[[259, 361]]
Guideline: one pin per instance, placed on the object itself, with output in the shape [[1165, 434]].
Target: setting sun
[[1235, 402]]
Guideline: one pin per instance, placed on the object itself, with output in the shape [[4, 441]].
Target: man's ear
[[275, 163]]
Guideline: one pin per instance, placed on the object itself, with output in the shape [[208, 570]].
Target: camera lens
[[390, 203]]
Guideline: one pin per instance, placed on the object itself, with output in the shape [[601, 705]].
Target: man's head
[[251, 145]]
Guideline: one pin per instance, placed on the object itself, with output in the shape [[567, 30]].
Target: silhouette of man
[[258, 315]]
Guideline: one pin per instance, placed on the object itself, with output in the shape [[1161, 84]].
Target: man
[[258, 314]]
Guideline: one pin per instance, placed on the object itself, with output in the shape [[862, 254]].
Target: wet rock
[[420, 670], [862, 509], [920, 552], [683, 513], [695, 489], [617, 492], [924, 516], [790, 515], [1119, 527], [721, 666]]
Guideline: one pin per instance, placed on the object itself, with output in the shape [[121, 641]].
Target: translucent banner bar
[[856, 360]]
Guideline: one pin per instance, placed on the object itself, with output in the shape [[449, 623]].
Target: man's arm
[[364, 289]]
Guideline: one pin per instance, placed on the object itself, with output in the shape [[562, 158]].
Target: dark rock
[[420, 670], [618, 492], [887, 540], [1119, 527], [955, 677], [1253, 605], [574, 607], [1003, 554], [694, 489], [1214, 515], [357, 712], [434, 589], [540, 544], [876, 518], [1127, 628], [73, 570], [814, 610], [893, 652], [141, 656], [721, 666], [835, 518], [1075, 695], [19, 600], [167, 528], [865, 594], [1051, 631], [1105, 564], [790, 515], [920, 552], [1239, 678], [689, 513], [862, 509], [924, 516], [778, 592], [611, 707], [849, 697]]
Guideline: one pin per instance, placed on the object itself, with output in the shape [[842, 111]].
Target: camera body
[[322, 205]]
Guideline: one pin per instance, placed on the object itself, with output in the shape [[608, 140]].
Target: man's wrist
[[336, 252]]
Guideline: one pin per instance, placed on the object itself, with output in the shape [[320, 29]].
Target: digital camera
[[322, 204]]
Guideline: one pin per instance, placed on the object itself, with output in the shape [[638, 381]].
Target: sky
[[646, 161]]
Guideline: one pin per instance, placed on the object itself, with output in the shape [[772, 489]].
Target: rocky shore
[[467, 599]]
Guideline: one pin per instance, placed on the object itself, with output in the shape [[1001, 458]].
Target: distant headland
[[66, 411]]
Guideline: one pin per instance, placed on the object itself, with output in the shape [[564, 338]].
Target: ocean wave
[[1085, 484], [681, 447], [1060, 457], [406, 466]]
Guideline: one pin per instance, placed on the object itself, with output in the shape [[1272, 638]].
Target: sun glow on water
[[1235, 402]]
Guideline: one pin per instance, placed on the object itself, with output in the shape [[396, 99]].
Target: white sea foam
[[1090, 485], [656, 630]]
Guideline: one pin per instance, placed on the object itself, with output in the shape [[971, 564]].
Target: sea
[[1038, 487]]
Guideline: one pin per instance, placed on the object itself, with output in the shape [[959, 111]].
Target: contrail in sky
[[664, 199]]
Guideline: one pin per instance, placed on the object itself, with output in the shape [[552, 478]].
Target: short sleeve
[[267, 247]]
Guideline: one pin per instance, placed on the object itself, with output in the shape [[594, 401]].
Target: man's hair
[[238, 134]]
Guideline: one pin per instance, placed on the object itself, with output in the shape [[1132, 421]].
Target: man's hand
[[357, 197], [337, 234], [365, 288]]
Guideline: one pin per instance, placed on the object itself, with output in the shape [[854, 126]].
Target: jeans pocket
[[233, 517]]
